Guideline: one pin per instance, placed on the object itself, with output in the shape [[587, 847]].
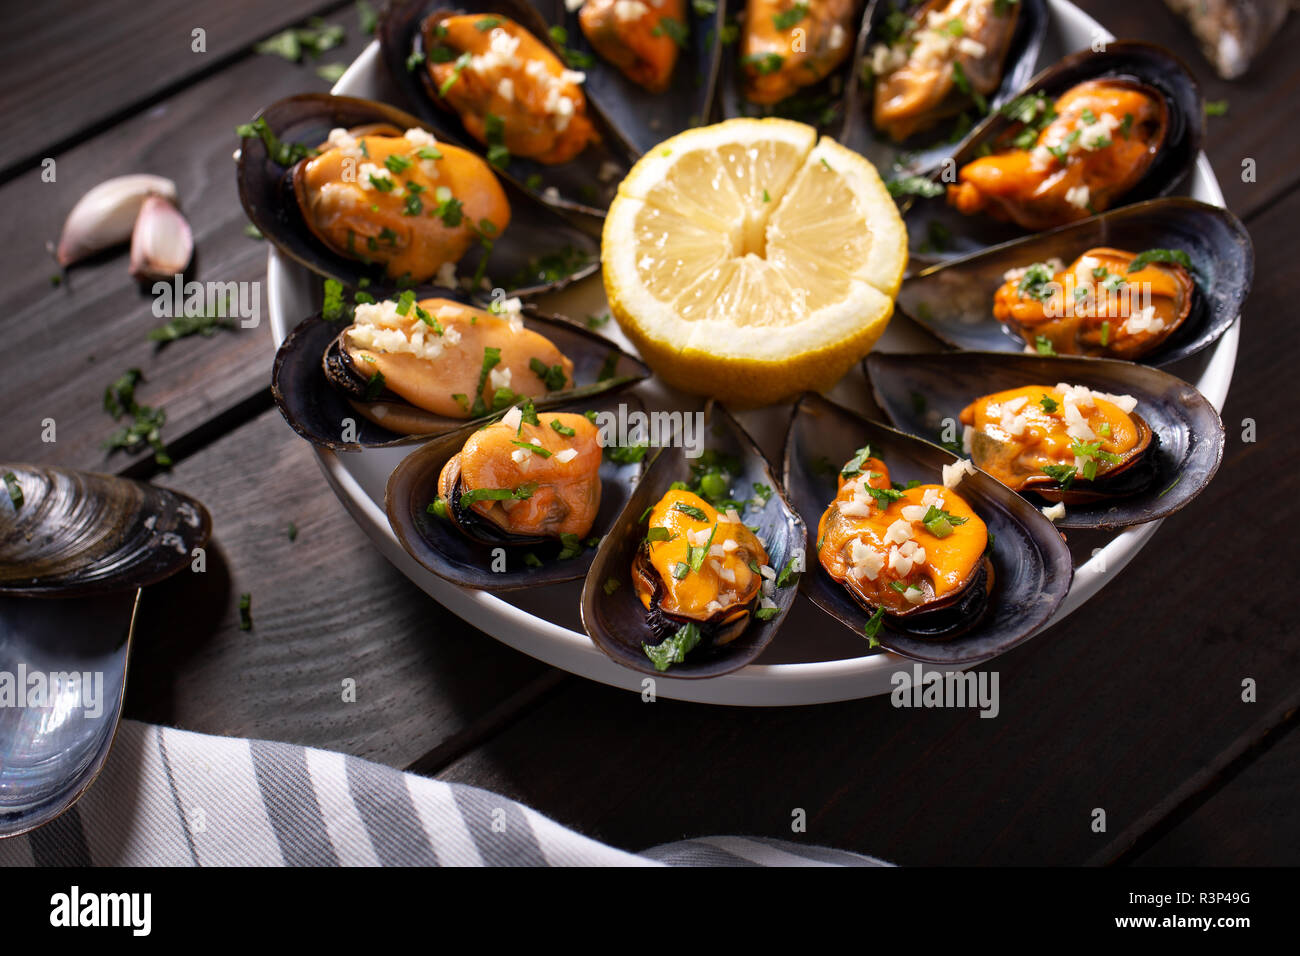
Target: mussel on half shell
[[469, 509], [390, 378], [702, 565], [959, 300], [993, 607], [792, 60], [319, 209], [651, 68], [1139, 447], [71, 533], [491, 75], [1089, 133], [929, 71]]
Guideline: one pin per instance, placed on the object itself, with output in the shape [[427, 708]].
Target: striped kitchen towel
[[172, 798]]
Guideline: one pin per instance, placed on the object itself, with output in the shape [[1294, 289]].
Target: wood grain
[[65, 344], [325, 607], [69, 66]]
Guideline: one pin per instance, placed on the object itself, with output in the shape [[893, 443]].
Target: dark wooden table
[[1133, 704]]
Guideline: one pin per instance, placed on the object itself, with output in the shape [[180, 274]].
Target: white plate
[[814, 659]]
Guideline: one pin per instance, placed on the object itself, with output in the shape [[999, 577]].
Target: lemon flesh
[[749, 261]]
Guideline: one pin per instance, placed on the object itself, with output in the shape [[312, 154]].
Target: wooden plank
[[65, 344], [70, 66], [1254, 820], [1259, 124], [1119, 707], [325, 607]]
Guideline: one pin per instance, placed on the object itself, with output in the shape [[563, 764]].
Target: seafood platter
[[750, 352]]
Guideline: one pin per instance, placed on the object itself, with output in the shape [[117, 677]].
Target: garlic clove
[[161, 242], [106, 215]]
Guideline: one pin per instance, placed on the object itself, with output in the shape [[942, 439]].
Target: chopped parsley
[[1043, 346], [940, 523], [884, 496], [457, 68], [1173, 256], [245, 612], [552, 376], [914, 186], [1063, 475], [786, 19], [764, 64], [674, 29], [146, 423], [871, 629], [1049, 404], [560, 428], [690, 511], [673, 650], [611, 585], [280, 153], [853, 467]]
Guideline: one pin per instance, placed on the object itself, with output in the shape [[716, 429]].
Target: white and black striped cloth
[[172, 798]]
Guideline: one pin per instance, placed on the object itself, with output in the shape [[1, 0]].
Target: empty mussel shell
[[498, 563], [584, 184], [612, 613], [73, 533], [954, 299], [539, 249], [1031, 563], [1135, 65], [645, 118], [306, 387], [918, 392], [1011, 37]]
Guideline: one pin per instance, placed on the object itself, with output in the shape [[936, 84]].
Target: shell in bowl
[[1176, 449], [572, 162], [1092, 132], [1028, 569], [956, 299], [329, 393], [299, 188], [907, 109], [475, 546], [645, 607]]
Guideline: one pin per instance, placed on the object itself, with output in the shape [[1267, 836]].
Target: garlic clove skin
[[161, 242], [106, 215]]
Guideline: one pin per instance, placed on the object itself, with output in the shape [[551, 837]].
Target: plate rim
[[756, 685]]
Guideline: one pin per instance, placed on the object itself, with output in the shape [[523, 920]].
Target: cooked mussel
[[698, 567], [71, 533], [1092, 132], [651, 65], [425, 363], [525, 478], [966, 589], [711, 550], [1107, 444], [946, 57], [641, 39], [793, 60], [509, 89], [1065, 443], [916, 555], [1071, 157], [419, 207], [1194, 264], [1110, 302], [491, 76], [517, 503]]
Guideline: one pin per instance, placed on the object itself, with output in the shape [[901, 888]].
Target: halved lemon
[[749, 261]]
